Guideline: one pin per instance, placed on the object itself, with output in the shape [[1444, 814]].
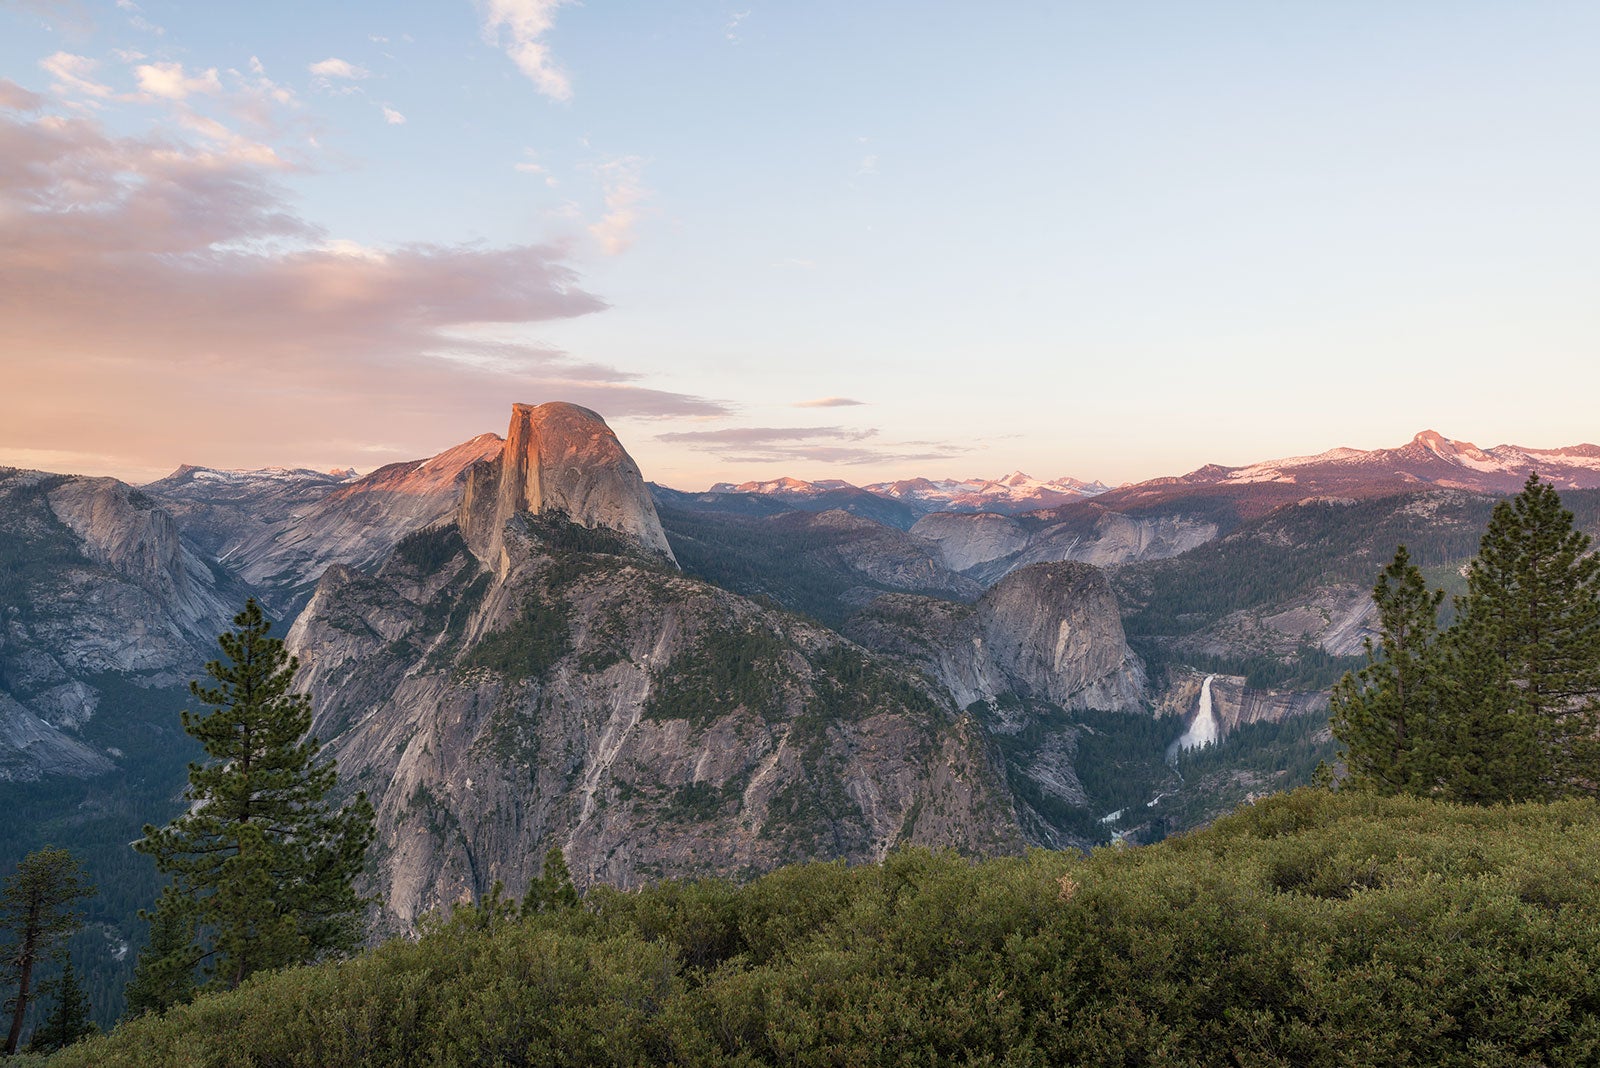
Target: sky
[[860, 240]]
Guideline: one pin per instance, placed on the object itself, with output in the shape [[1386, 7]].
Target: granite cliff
[[536, 672]]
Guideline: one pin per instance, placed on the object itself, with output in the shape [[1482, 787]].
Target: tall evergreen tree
[[164, 975], [37, 907], [68, 1020], [1526, 657], [552, 891], [1387, 714], [265, 861]]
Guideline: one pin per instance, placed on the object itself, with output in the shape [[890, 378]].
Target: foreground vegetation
[[1313, 928]]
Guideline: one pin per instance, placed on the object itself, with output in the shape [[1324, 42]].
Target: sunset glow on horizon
[[833, 240]]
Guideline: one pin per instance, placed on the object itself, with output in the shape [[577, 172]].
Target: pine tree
[[69, 1017], [37, 908], [1387, 714], [1526, 657], [552, 891], [267, 864], [164, 975]]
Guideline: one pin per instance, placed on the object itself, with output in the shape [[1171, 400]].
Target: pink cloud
[[153, 293]]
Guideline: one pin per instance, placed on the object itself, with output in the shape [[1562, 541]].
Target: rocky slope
[[356, 524], [220, 511], [986, 546], [1235, 703], [825, 565], [97, 592], [1050, 632], [576, 692], [538, 673]]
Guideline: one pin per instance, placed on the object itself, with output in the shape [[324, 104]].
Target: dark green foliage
[[1387, 715], [68, 1020], [552, 891], [726, 668], [1526, 649], [535, 641], [38, 911], [164, 976], [1307, 668], [261, 861], [431, 548], [556, 530], [1312, 929], [98, 817], [1505, 706]]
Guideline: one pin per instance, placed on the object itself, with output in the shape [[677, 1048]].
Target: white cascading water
[[1203, 731]]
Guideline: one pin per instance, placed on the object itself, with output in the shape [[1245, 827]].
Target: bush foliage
[[1310, 929]]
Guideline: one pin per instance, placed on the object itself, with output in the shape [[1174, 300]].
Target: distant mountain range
[[1429, 458], [1008, 495]]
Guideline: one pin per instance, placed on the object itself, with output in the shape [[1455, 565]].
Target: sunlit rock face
[[357, 523], [559, 457]]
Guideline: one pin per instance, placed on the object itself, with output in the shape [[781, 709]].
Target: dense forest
[[1311, 928]]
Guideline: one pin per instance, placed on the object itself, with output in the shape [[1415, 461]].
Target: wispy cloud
[[731, 30], [147, 284], [625, 195], [393, 117], [810, 444], [530, 165], [518, 27], [828, 402], [169, 82], [747, 436], [334, 67], [72, 76], [15, 98]]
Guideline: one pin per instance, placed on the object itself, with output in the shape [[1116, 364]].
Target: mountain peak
[[559, 457]]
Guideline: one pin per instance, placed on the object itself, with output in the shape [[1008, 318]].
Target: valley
[[519, 644]]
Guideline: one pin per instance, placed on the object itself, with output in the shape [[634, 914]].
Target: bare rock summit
[[562, 458]]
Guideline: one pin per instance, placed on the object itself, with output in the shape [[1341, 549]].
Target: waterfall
[[1203, 731]]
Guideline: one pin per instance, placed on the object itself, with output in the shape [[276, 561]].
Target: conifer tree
[[266, 863], [69, 1017], [164, 975], [1526, 657], [37, 908], [552, 891], [1386, 714]]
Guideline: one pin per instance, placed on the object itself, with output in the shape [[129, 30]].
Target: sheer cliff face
[[582, 693], [559, 458], [1050, 632]]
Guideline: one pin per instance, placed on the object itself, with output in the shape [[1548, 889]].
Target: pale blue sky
[[1106, 240]]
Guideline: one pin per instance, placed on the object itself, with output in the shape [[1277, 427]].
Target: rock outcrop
[[1235, 703], [987, 546], [358, 523], [97, 591], [646, 723], [560, 458], [218, 511], [1050, 632]]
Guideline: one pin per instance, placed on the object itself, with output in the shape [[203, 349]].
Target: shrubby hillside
[[1310, 929]]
